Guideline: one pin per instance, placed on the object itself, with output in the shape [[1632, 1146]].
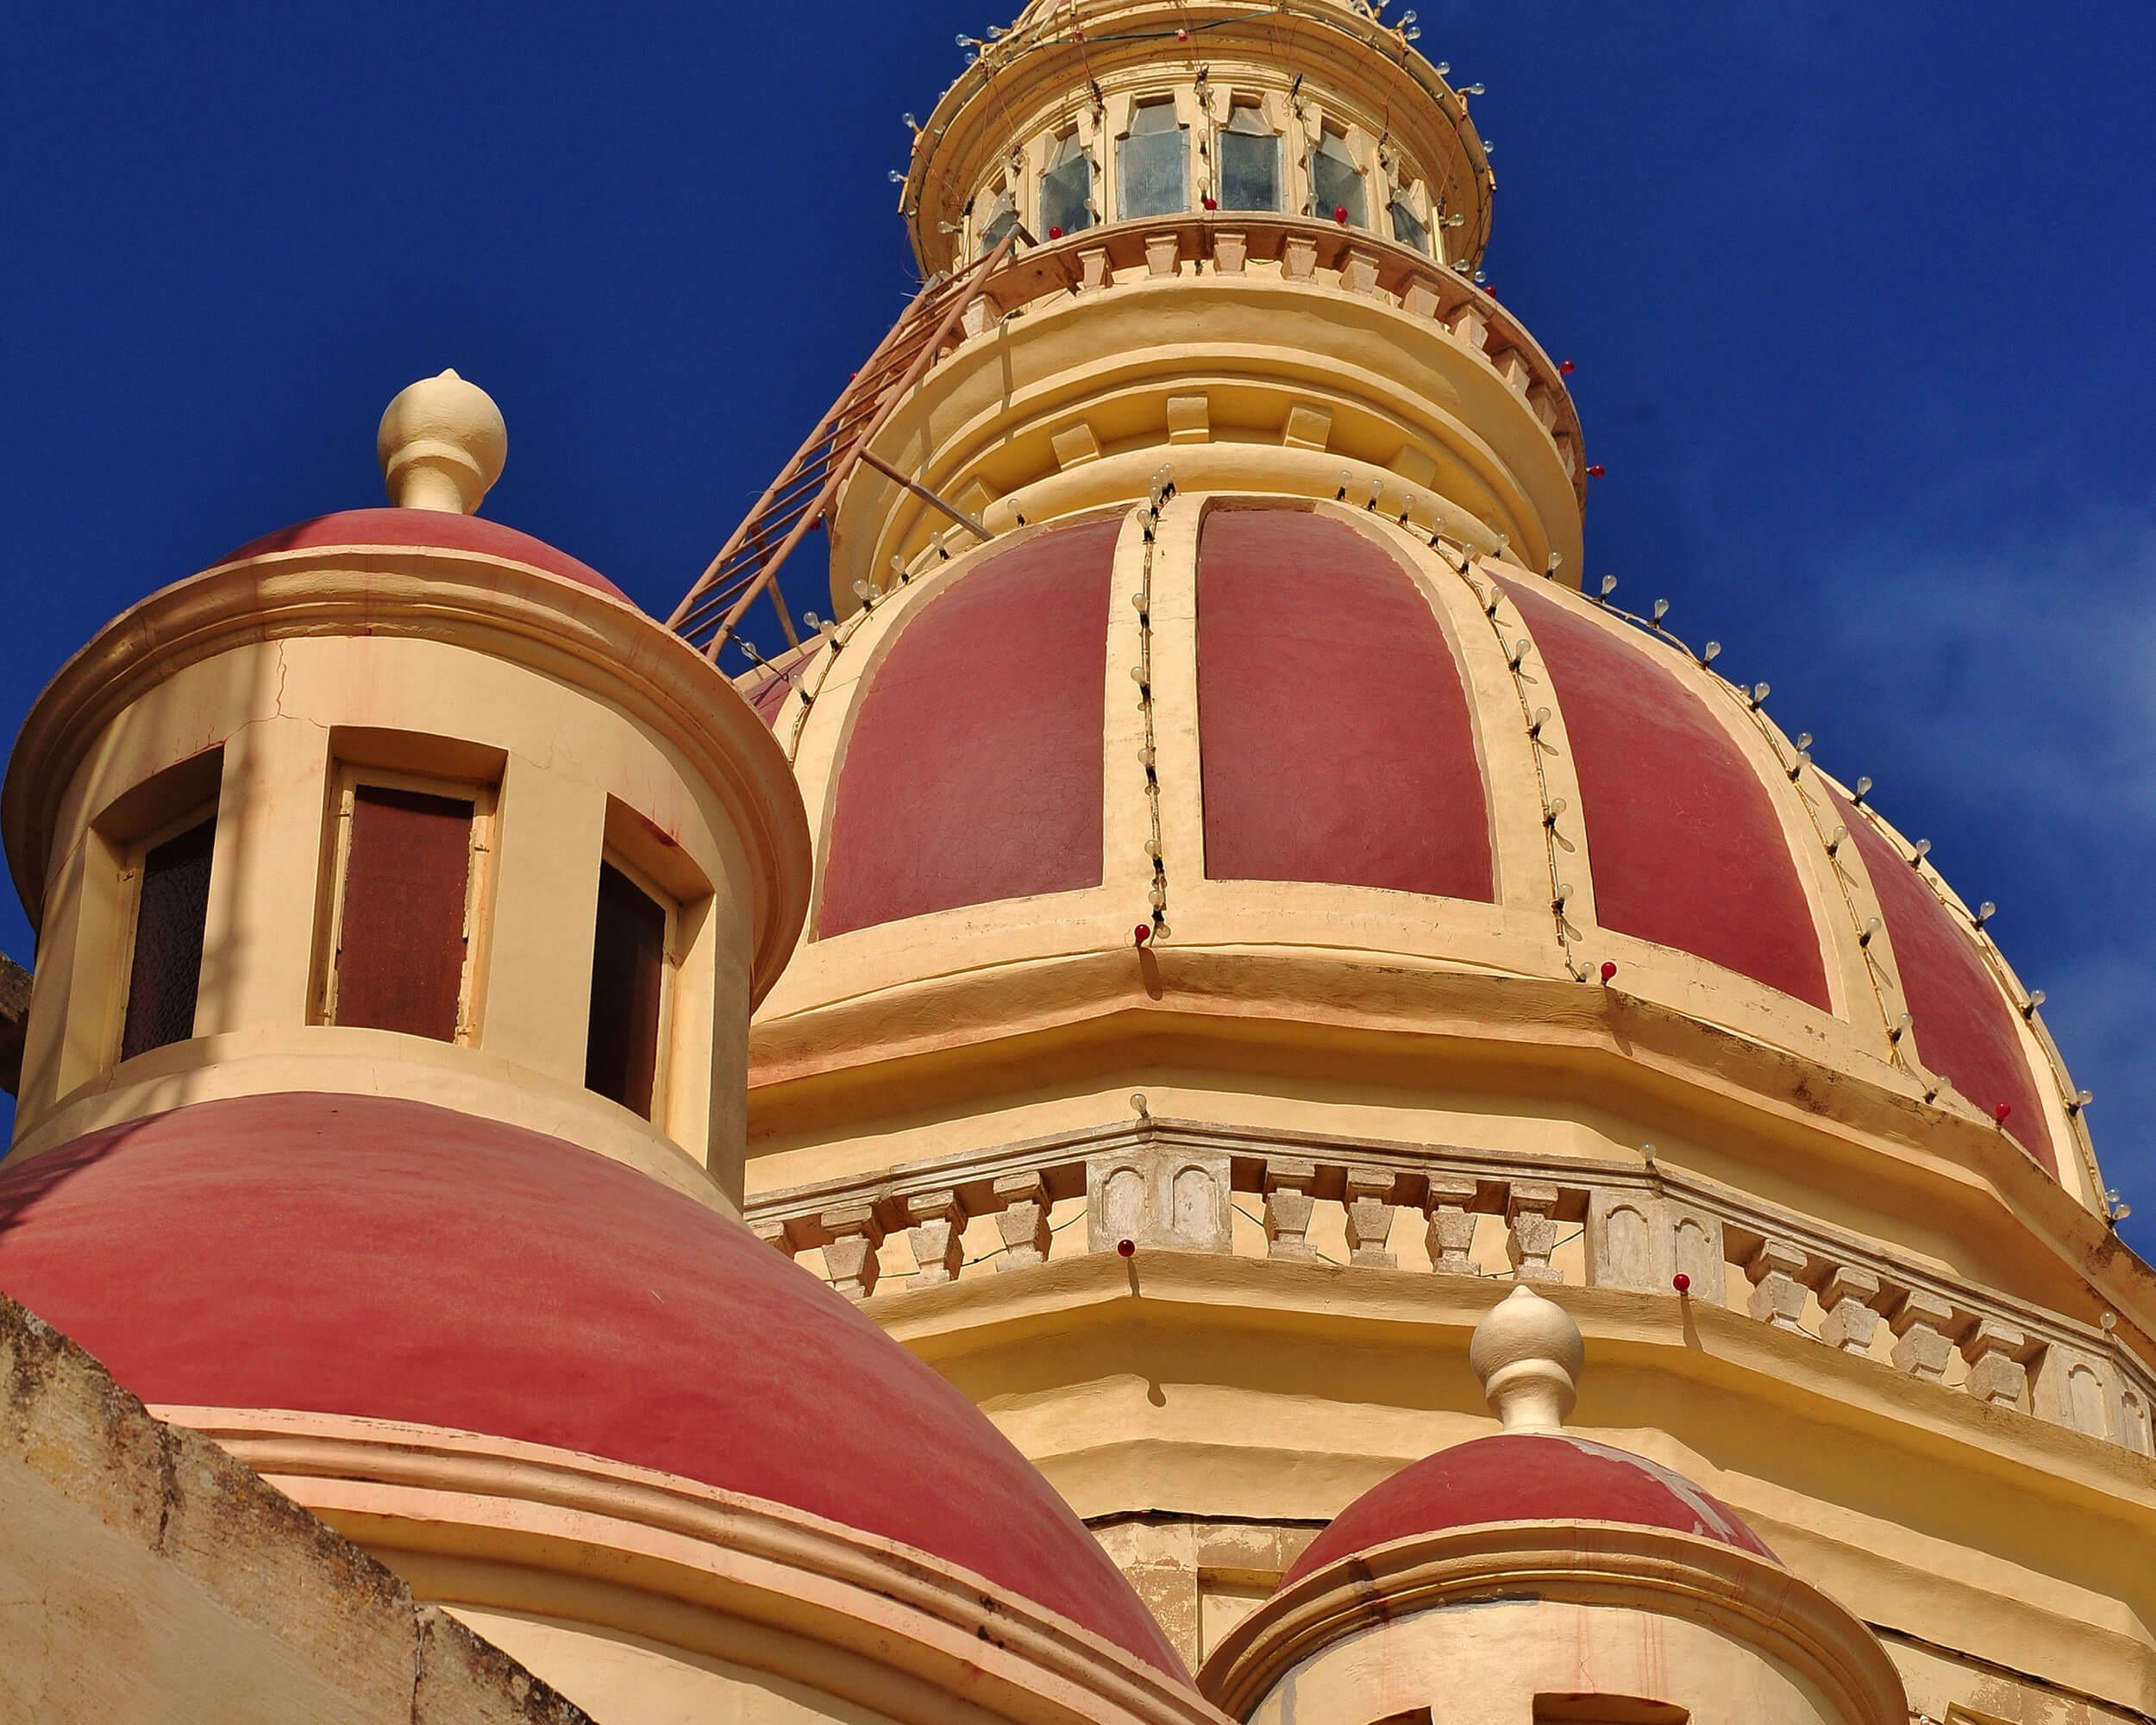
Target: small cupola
[[403, 801], [1606, 1587]]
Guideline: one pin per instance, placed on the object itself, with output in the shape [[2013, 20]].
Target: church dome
[[1523, 1477], [1358, 737], [388, 1259]]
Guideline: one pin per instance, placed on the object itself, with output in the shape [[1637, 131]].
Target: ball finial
[[1528, 1353], [441, 444]]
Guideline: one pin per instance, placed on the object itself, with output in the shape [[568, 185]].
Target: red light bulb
[[1182, 35], [1211, 203], [1609, 969], [1128, 1248], [1596, 472], [1565, 366], [1340, 215], [1141, 934], [1055, 233], [2001, 1110], [1681, 1282]]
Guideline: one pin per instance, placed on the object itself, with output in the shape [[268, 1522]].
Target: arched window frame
[[1356, 145], [1114, 125], [1271, 109]]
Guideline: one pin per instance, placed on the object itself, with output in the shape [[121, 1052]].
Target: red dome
[[361, 1256], [1523, 1477], [432, 529]]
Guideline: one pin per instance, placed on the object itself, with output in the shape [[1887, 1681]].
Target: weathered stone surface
[[147, 1576]]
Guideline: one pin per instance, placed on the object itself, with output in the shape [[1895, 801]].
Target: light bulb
[[1661, 609], [1609, 586], [1710, 652]]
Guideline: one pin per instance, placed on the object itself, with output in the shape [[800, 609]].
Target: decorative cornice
[[1736, 1593], [830, 1589], [511, 611]]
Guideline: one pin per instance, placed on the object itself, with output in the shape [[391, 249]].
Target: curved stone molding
[[859, 1618]]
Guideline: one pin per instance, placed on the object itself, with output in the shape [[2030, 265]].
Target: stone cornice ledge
[[1742, 1597], [1365, 1308], [853, 1611], [577, 635]]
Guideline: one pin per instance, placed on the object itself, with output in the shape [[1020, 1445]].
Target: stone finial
[[1528, 1353], [441, 445]]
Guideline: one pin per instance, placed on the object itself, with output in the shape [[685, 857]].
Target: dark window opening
[[401, 939], [629, 953], [165, 975]]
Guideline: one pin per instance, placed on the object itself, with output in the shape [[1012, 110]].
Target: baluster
[[1926, 1326], [1998, 1353], [937, 1234], [850, 1255], [1370, 1217], [1532, 1233], [1777, 1297], [1451, 1234], [1289, 1179], [1022, 1220], [1849, 1296]]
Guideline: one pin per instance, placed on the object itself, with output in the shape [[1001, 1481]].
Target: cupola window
[[1249, 160], [999, 217], [1067, 188], [1408, 228], [629, 994], [1153, 162], [172, 910], [1336, 181], [412, 874]]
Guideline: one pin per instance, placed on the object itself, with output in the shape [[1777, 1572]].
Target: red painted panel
[[429, 529], [1964, 1021], [973, 772], [1523, 1477], [400, 941], [1688, 852], [1337, 738], [362, 1256]]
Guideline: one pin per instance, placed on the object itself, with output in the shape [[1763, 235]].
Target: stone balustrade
[[1174, 1185], [1293, 249]]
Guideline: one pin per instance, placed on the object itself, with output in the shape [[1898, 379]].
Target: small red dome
[[1523, 1476], [432, 529], [362, 1256]]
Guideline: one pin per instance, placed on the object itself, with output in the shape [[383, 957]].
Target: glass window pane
[[1336, 183], [168, 927], [1153, 164], [1067, 188], [1001, 216], [1249, 169], [1407, 227]]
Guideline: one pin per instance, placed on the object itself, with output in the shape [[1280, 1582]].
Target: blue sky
[[1857, 296]]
